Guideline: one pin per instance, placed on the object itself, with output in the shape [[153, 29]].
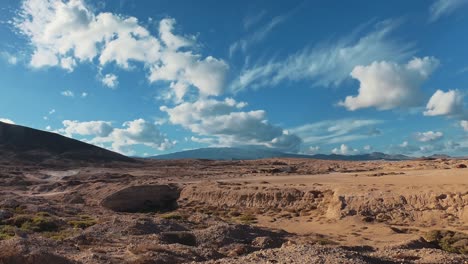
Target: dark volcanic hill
[[253, 153], [19, 143]]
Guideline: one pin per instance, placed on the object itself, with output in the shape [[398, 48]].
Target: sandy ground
[[236, 208], [389, 182]]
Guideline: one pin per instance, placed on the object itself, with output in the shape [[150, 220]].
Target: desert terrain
[[65, 201], [233, 132], [261, 211]]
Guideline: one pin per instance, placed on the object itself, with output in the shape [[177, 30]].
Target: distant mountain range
[[250, 154], [19, 143], [24, 144]]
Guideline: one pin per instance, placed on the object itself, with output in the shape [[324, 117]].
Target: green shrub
[[43, 214], [60, 235], [85, 221], [20, 209], [450, 241], [40, 224], [172, 216], [7, 232], [248, 219]]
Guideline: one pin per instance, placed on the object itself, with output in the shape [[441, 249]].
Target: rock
[[461, 166], [288, 243], [34, 258], [144, 198], [16, 251], [368, 219], [418, 243], [5, 214], [179, 237], [238, 250], [381, 217], [9, 203], [225, 234], [74, 198], [264, 242], [287, 169]]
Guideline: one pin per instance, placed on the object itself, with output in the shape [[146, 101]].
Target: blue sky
[[151, 77]]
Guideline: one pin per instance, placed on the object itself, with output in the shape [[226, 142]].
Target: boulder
[[143, 198], [179, 237]]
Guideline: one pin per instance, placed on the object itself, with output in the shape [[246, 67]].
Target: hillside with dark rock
[[28, 145]]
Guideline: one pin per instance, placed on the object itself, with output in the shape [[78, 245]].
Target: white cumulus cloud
[[67, 93], [10, 58], [110, 80], [386, 85], [68, 63], [225, 121], [136, 132], [94, 128], [428, 136], [345, 150], [464, 124], [448, 103], [312, 150], [66, 33]]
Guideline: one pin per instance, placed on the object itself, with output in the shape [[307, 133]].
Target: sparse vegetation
[[85, 221], [20, 209], [325, 241], [450, 241], [172, 216], [60, 235], [43, 222], [43, 214], [40, 223], [7, 232], [247, 218]]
